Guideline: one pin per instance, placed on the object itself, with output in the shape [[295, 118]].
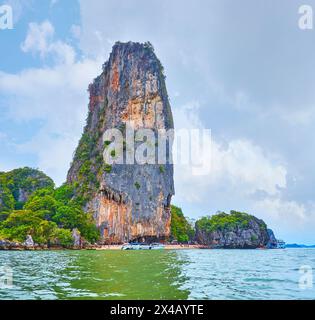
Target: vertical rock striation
[[129, 201]]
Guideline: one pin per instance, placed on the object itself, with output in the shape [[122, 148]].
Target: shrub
[[181, 230], [223, 221], [64, 237], [161, 168], [25, 222], [107, 168], [64, 194]]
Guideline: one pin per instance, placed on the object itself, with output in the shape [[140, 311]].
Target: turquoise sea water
[[182, 274]]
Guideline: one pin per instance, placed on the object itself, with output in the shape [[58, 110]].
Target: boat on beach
[[142, 246]]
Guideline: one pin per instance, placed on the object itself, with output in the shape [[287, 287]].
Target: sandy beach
[[166, 247]]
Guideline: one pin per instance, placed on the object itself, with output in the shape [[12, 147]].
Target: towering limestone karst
[[129, 202]]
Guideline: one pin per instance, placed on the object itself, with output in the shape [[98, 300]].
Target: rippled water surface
[[182, 274]]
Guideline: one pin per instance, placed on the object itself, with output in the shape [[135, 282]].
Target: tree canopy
[[30, 205], [181, 230]]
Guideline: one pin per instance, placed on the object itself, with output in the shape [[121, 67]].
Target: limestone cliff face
[[129, 201]]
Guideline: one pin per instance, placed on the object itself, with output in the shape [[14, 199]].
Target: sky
[[241, 68]]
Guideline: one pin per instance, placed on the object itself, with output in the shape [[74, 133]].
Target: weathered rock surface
[[272, 242], [7, 245], [29, 241], [129, 201], [247, 234], [76, 236], [27, 245]]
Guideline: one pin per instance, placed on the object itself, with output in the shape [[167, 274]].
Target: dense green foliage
[[18, 184], [49, 215], [223, 221], [6, 197], [181, 230]]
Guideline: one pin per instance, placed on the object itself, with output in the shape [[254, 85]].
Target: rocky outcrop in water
[[128, 201], [272, 242], [232, 231], [76, 236], [7, 245], [29, 241]]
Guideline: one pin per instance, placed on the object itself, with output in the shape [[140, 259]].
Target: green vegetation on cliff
[[6, 198], [237, 230], [181, 230], [225, 222], [17, 185], [89, 159], [30, 205]]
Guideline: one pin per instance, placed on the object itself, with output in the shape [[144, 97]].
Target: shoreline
[[166, 247], [14, 246], [98, 248]]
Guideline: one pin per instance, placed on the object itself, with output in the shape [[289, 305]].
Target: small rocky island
[[237, 230]]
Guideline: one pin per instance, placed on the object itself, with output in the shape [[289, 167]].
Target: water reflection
[[182, 274], [95, 275]]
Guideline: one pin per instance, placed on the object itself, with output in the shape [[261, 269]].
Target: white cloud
[[54, 151], [287, 212], [75, 31], [44, 92], [290, 219], [40, 39], [19, 7], [55, 96], [244, 177], [247, 166], [239, 165]]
